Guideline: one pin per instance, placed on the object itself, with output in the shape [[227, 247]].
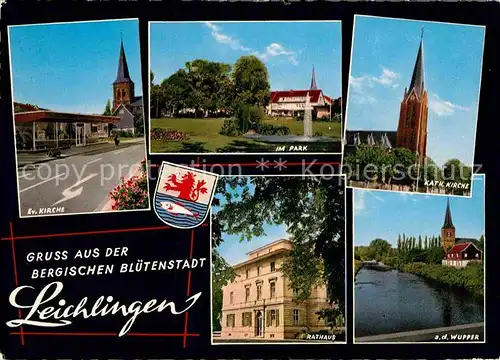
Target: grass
[[204, 135]]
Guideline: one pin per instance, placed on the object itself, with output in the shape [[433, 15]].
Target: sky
[[289, 49], [234, 251], [385, 214], [383, 58], [71, 67]]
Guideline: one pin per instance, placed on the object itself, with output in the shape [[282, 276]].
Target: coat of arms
[[183, 195]]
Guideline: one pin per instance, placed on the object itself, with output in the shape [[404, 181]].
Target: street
[[76, 184]]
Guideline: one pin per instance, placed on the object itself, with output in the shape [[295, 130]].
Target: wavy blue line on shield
[[178, 212]]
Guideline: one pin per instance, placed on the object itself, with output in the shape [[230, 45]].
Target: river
[[391, 301]]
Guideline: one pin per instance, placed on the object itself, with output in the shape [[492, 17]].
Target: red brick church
[[412, 125], [459, 251]]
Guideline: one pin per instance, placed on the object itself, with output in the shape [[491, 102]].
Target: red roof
[[314, 94], [459, 248]]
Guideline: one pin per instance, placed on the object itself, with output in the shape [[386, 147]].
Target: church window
[[477, 255], [465, 255], [118, 97]]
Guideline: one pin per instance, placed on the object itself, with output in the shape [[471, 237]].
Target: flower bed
[[132, 194], [164, 134]]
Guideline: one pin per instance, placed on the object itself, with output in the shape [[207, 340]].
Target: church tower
[[313, 81], [412, 126], [448, 230], [123, 87]]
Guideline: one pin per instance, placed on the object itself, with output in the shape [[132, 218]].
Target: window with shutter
[[277, 318], [243, 318], [268, 318]]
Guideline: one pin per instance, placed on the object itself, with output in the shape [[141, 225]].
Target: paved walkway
[[26, 158]]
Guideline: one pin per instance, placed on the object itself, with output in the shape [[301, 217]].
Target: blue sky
[[383, 58], [289, 49], [71, 67], [234, 251], [384, 214]]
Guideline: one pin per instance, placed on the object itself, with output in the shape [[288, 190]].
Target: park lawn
[[204, 135]]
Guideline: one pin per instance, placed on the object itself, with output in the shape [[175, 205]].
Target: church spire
[[417, 79], [123, 75], [313, 81], [448, 223]]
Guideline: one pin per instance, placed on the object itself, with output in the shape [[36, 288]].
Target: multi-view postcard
[[78, 118], [412, 105], [278, 277], [245, 87], [421, 279]]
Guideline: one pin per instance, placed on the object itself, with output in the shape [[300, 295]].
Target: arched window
[[118, 93], [124, 94]]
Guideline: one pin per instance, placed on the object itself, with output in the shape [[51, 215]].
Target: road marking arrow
[[69, 193]]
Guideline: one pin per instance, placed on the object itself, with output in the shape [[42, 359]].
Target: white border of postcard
[[271, 343], [345, 129], [14, 128], [342, 122], [483, 176]]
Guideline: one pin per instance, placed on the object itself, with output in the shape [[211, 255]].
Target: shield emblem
[[183, 195]]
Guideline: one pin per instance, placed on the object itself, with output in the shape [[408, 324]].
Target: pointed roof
[[123, 75], [448, 223], [417, 79], [313, 81]]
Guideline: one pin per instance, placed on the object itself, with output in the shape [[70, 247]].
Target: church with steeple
[[458, 251], [411, 130], [292, 103], [125, 104]]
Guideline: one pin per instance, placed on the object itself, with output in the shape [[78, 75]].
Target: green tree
[[251, 81], [107, 110], [481, 243], [419, 242], [222, 274], [426, 244], [313, 211], [399, 242], [381, 248]]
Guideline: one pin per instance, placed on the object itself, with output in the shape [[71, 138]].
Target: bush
[[255, 115], [323, 118], [164, 134], [269, 129], [318, 133], [133, 193], [122, 133], [230, 128], [470, 277], [55, 153]]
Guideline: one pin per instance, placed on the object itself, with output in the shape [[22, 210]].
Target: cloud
[[276, 49], [359, 202], [360, 197], [271, 51], [360, 86], [222, 38], [443, 108]]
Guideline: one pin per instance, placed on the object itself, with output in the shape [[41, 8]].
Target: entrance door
[[80, 135], [259, 325]]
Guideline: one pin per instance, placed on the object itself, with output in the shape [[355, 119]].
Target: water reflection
[[391, 301]]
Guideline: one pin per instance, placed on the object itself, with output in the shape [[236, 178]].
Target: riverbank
[[470, 278], [358, 264]]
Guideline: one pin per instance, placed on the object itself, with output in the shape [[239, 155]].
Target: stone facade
[[259, 303]]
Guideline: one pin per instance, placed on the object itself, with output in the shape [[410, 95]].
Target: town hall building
[[459, 251], [411, 131], [259, 303]]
